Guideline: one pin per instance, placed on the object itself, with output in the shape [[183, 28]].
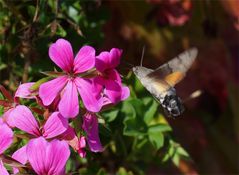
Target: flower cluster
[[49, 132]]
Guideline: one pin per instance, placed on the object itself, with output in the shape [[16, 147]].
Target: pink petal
[[90, 93], [3, 170], [69, 104], [60, 153], [115, 55], [49, 90], [90, 126], [55, 125], [7, 117], [61, 54], [23, 91], [6, 136], [114, 75], [108, 60], [37, 157], [125, 93], [82, 145], [113, 91], [21, 156], [70, 136], [51, 158], [85, 59], [24, 120]]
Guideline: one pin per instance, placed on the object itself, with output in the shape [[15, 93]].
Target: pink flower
[[23, 119], [6, 138], [109, 78], [69, 85], [47, 158], [90, 126]]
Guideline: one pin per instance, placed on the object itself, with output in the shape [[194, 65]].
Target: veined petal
[[85, 59], [23, 91], [90, 126], [69, 104], [50, 159], [24, 120], [49, 90], [3, 170], [37, 157], [108, 60], [6, 136], [59, 154], [90, 93], [21, 156], [61, 54], [55, 125]]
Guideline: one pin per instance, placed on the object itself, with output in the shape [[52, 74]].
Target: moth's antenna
[[142, 56]]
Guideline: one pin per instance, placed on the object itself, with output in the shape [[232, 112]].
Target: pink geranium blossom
[[23, 119], [70, 84], [6, 138], [106, 62], [90, 126], [47, 158]]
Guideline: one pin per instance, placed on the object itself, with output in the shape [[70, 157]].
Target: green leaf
[[159, 128], [3, 66], [176, 159], [157, 139], [134, 127], [123, 171], [152, 107], [101, 172], [166, 157], [182, 152], [156, 136], [60, 31], [39, 82], [110, 115], [133, 123]]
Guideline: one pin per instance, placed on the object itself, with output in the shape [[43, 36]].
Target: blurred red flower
[[171, 12]]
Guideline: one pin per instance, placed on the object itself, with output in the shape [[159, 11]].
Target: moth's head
[[136, 70], [140, 71], [173, 104]]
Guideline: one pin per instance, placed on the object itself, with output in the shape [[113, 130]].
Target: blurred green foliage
[[28, 27]]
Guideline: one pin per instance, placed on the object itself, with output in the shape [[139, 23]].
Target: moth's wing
[[174, 70]]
